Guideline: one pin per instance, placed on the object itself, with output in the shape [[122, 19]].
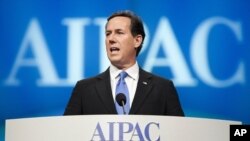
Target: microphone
[[121, 100]]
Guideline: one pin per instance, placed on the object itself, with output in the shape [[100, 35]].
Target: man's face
[[120, 44]]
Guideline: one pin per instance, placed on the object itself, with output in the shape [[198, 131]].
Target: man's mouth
[[112, 49]]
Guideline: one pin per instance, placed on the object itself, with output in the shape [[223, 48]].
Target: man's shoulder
[[153, 76], [93, 79]]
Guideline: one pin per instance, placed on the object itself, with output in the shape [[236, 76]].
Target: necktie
[[121, 87]]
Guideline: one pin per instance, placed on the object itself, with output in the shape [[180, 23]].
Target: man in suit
[[147, 94]]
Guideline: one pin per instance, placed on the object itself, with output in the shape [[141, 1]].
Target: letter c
[[147, 130]]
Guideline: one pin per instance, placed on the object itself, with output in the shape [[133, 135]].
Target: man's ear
[[137, 40]]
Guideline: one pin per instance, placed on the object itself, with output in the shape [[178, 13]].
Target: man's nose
[[111, 38]]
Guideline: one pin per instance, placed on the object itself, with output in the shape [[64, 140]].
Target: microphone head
[[121, 98]]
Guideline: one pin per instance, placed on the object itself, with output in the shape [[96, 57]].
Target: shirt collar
[[133, 71]]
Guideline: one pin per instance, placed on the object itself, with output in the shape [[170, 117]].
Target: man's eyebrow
[[118, 29]]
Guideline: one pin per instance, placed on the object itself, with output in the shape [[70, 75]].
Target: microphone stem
[[123, 105]]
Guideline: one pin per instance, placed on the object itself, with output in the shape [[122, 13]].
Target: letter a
[[237, 132], [98, 132], [34, 40]]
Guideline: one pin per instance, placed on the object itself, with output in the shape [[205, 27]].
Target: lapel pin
[[145, 83]]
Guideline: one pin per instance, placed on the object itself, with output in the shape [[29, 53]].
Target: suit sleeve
[[173, 106], [74, 105]]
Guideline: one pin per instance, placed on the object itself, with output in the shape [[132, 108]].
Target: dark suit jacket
[[154, 96]]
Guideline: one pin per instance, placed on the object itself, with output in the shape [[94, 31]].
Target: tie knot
[[123, 75]]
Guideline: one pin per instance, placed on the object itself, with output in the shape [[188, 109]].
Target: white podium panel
[[115, 127]]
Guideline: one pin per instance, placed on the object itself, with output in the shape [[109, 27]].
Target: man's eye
[[107, 34]]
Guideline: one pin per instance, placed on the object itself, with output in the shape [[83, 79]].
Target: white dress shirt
[[131, 80]]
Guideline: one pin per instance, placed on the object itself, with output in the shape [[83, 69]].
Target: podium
[[116, 128]]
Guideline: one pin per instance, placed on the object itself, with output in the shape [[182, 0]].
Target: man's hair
[[136, 26]]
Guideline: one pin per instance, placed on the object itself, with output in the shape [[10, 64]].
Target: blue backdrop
[[46, 46]]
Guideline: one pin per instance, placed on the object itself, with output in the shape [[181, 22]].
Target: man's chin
[[117, 63], [115, 59]]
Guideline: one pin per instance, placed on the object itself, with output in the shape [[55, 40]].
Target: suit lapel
[[104, 91], [143, 87]]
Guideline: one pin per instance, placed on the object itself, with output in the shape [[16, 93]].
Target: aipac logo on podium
[[126, 131]]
